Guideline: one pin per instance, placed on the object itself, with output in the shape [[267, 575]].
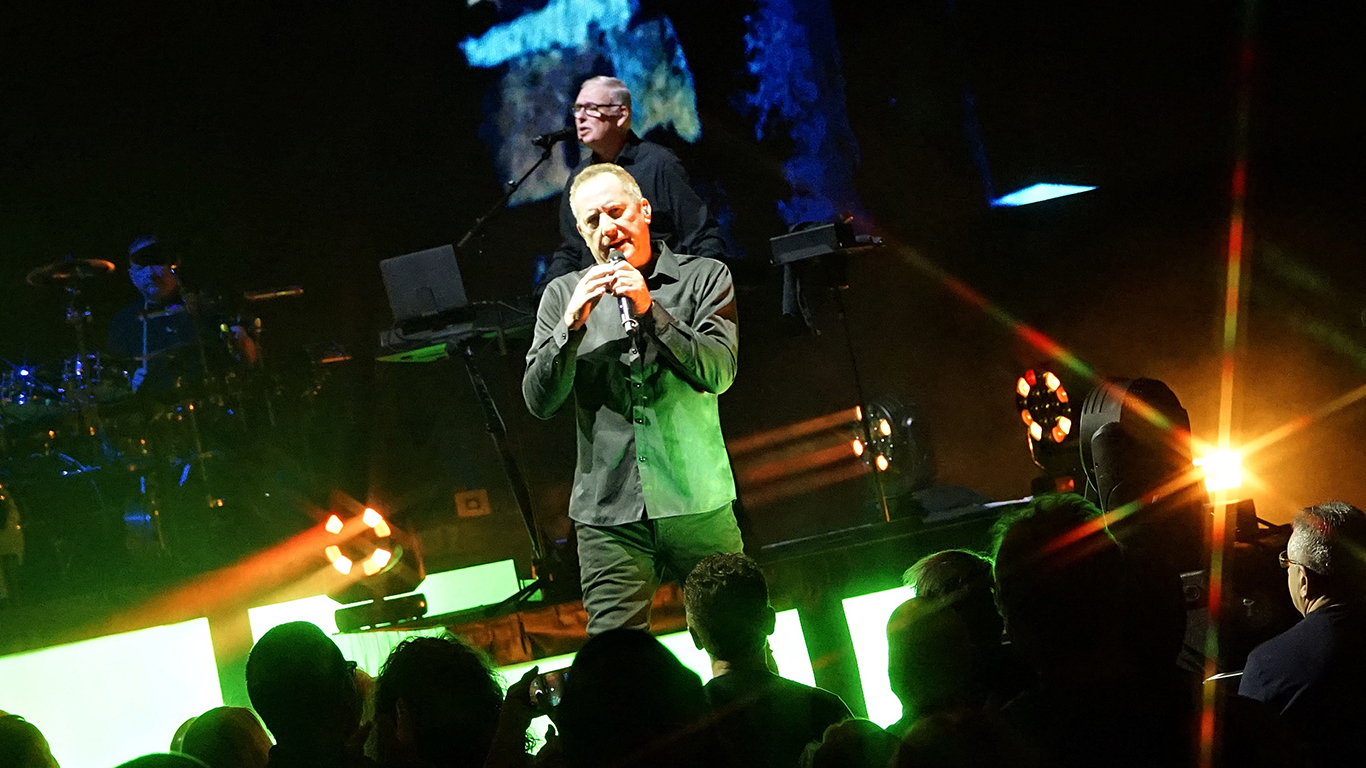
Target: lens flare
[[1223, 470]]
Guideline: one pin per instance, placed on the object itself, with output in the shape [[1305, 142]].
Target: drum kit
[[106, 475]]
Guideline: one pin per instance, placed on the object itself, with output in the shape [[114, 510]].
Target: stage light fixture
[[1044, 407], [389, 559], [897, 443], [1049, 415], [1136, 450], [1223, 470]]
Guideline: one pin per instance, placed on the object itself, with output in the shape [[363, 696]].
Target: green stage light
[[867, 618], [101, 702], [446, 592]]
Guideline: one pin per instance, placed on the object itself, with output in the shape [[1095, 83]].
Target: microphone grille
[[615, 255]]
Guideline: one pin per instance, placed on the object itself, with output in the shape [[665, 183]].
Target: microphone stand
[[544, 579], [501, 205]]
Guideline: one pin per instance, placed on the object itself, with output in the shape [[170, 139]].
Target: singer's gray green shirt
[[650, 441]]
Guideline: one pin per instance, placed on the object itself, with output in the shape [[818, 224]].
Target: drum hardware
[[274, 293], [174, 309], [68, 272], [100, 468]]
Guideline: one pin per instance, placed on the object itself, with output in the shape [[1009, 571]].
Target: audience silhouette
[[856, 743], [931, 663], [436, 704], [628, 701], [1314, 674], [962, 581], [764, 719], [227, 737], [22, 745], [305, 692], [966, 739], [1060, 650]]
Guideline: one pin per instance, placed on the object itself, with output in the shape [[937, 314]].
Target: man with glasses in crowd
[[1314, 673], [602, 120]]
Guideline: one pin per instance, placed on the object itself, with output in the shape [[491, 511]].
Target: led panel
[[104, 701], [446, 592], [867, 617], [1037, 193]]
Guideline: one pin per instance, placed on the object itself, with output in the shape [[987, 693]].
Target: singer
[[602, 122], [652, 486]]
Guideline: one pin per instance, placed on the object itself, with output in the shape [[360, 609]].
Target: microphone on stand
[[548, 140], [628, 320]]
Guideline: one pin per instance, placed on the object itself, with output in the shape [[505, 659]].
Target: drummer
[[174, 338]]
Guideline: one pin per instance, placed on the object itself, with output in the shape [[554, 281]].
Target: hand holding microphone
[[628, 318]]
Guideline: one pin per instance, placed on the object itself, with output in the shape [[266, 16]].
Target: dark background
[[281, 144]]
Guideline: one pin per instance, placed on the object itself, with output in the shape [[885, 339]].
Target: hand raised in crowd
[[514, 717], [594, 284]]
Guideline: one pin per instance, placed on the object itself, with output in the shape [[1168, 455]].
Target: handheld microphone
[[628, 320], [548, 140]]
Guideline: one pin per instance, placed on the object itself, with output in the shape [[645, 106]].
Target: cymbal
[[174, 309], [69, 271]]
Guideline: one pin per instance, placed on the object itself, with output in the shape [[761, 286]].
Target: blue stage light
[[1036, 193]]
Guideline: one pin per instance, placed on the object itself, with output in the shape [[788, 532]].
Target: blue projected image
[[793, 53], [548, 52]]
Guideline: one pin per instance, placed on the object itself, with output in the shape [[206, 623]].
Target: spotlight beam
[[789, 432]]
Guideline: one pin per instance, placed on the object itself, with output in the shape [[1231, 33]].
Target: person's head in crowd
[[855, 743], [22, 745], [628, 701], [965, 739], [1058, 576], [436, 700], [164, 760], [962, 580], [602, 116], [151, 268], [227, 737], [611, 214], [1325, 559], [726, 602], [178, 740], [303, 688], [930, 659]]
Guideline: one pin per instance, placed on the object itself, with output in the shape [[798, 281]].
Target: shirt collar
[[665, 266], [627, 155]]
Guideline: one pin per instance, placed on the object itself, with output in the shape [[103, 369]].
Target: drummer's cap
[[147, 252]]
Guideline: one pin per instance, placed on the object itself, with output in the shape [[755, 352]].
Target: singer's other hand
[[594, 284], [629, 283]]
